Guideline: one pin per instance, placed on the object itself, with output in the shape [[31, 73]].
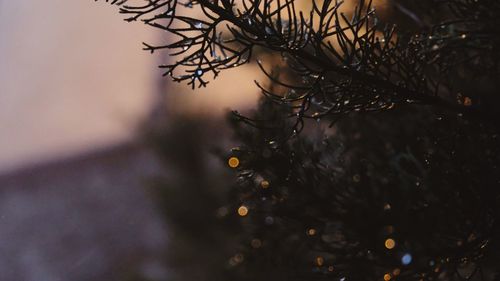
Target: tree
[[408, 193], [344, 62]]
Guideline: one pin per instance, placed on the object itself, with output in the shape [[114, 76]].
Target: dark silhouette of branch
[[343, 62], [378, 199]]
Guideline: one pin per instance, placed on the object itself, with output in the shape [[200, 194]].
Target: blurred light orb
[[242, 211], [233, 162], [320, 261], [406, 259], [264, 184], [390, 243], [311, 232], [387, 277]]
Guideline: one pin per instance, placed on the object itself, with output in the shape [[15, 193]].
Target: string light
[[264, 184], [242, 211], [233, 162], [387, 277], [320, 261], [311, 232], [406, 259], [390, 243], [467, 101]]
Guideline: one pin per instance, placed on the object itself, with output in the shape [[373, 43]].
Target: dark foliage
[[342, 62], [409, 193], [323, 205], [330, 203]]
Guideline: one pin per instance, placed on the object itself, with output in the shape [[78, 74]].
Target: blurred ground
[[82, 218]]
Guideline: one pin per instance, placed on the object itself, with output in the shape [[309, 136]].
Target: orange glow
[[320, 260], [390, 243], [243, 211], [467, 101], [233, 162], [264, 184]]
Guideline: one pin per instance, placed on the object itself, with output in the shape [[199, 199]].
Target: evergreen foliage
[[342, 62], [406, 192]]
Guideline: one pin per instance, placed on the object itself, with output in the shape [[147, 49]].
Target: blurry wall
[[72, 77]]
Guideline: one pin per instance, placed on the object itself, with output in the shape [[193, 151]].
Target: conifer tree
[[403, 184]]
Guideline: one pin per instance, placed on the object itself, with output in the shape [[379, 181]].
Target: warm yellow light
[[320, 260], [264, 184], [243, 211], [387, 277], [330, 268], [311, 232], [233, 162], [390, 243]]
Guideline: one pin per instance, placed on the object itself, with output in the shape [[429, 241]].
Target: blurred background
[[75, 93], [73, 78]]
